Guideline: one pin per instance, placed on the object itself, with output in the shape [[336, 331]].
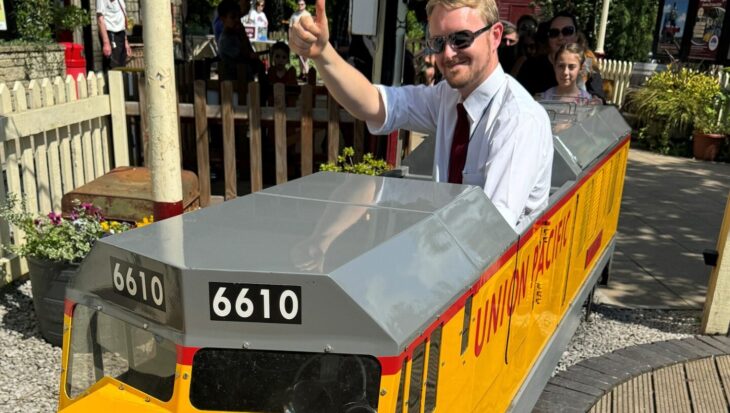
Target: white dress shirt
[[510, 151]]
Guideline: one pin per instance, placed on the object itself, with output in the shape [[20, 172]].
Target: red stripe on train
[[593, 249]]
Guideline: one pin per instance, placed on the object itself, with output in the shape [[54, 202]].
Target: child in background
[[569, 61], [279, 72]]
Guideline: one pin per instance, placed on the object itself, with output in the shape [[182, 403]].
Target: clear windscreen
[[103, 346], [270, 381]]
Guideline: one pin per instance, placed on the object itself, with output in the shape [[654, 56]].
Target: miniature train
[[347, 293]]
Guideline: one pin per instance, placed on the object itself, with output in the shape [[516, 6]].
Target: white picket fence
[[55, 136], [619, 72]]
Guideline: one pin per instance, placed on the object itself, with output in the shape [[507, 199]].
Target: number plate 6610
[[255, 303]]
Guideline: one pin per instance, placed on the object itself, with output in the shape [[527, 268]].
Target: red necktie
[[459, 146]]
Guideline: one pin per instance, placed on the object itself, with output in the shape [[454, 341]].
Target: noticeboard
[[707, 29], [671, 27]]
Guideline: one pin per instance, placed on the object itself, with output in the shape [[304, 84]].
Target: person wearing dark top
[[235, 47], [537, 74]]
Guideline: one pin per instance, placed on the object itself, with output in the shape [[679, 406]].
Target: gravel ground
[[30, 367]]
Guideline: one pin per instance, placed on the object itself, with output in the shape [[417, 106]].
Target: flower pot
[[48, 280], [706, 146]]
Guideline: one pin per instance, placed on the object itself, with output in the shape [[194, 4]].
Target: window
[[269, 381], [105, 346]]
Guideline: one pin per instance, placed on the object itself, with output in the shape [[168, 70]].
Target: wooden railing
[[618, 73], [56, 136], [289, 119]]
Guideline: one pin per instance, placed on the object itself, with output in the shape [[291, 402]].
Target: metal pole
[[164, 151], [602, 28]]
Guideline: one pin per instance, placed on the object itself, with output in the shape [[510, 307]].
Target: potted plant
[[54, 246], [706, 97], [675, 102]]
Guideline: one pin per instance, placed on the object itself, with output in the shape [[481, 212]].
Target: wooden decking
[[688, 375]]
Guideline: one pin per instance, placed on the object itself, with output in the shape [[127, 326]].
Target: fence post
[[119, 119], [716, 316]]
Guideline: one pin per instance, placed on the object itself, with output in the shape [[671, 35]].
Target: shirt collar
[[479, 99]]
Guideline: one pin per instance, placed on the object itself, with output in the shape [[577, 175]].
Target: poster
[[3, 20], [671, 28], [707, 29]]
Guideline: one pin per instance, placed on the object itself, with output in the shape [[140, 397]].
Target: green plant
[[55, 238], [70, 17], [346, 163], [672, 103]]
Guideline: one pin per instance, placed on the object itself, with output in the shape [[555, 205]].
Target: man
[[497, 137], [507, 50], [301, 11], [111, 16]]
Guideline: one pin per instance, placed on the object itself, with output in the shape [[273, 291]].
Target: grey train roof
[[405, 250]]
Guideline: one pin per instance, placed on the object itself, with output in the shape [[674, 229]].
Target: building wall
[[511, 10], [23, 63]]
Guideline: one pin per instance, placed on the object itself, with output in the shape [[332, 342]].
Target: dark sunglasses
[[457, 40], [565, 31]]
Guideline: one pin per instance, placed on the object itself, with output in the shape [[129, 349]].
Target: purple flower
[[55, 218]]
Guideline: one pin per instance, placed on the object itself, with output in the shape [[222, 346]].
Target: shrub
[[345, 163]]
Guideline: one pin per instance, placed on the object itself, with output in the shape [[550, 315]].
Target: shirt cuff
[[385, 128]]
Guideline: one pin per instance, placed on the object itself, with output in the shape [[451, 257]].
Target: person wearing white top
[[258, 19], [301, 11], [509, 144], [111, 17]]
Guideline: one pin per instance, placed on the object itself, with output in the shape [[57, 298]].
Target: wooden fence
[[56, 136], [286, 121]]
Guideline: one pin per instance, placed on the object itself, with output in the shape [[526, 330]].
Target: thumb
[[321, 13]]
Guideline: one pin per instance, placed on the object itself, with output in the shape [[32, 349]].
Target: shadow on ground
[[16, 310]]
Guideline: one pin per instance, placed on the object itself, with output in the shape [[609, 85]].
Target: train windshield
[[105, 346], [270, 381]]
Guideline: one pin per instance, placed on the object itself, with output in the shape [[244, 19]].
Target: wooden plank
[[670, 389], [54, 162], [723, 369], [240, 113], [704, 386], [280, 133], [713, 341], [606, 366], [104, 130], [201, 143], [229, 141], [645, 354], [77, 157], [95, 124], [359, 140], [307, 155], [86, 148], [603, 405], [567, 397], [706, 348], [27, 163], [591, 377], [333, 129], [143, 121], [666, 352], [254, 115], [43, 181], [577, 386], [62, 87], [43, 119], [691, 347], [673, 345], [119, 118], [6, 106]]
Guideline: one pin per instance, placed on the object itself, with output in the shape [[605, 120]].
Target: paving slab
[[671, 211]]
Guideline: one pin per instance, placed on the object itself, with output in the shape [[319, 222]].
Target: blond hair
[[487, 8]]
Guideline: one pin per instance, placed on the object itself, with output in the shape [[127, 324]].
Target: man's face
[[510, 39], [301, 5], [465, 69]]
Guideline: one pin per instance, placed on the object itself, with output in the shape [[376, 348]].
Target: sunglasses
[[565, 31], [457, 40]]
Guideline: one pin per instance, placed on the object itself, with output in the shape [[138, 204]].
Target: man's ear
[[497, 31]]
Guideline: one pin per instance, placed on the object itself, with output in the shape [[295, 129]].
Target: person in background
[[301, 11], [526, 49], [488, 130], [278, 71], [509, 46], [234, 46], [527, 25], [537, 74], [258, 19], [569, 61], [111, 17]]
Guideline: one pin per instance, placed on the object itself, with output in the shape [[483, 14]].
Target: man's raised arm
[[309, 37]]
